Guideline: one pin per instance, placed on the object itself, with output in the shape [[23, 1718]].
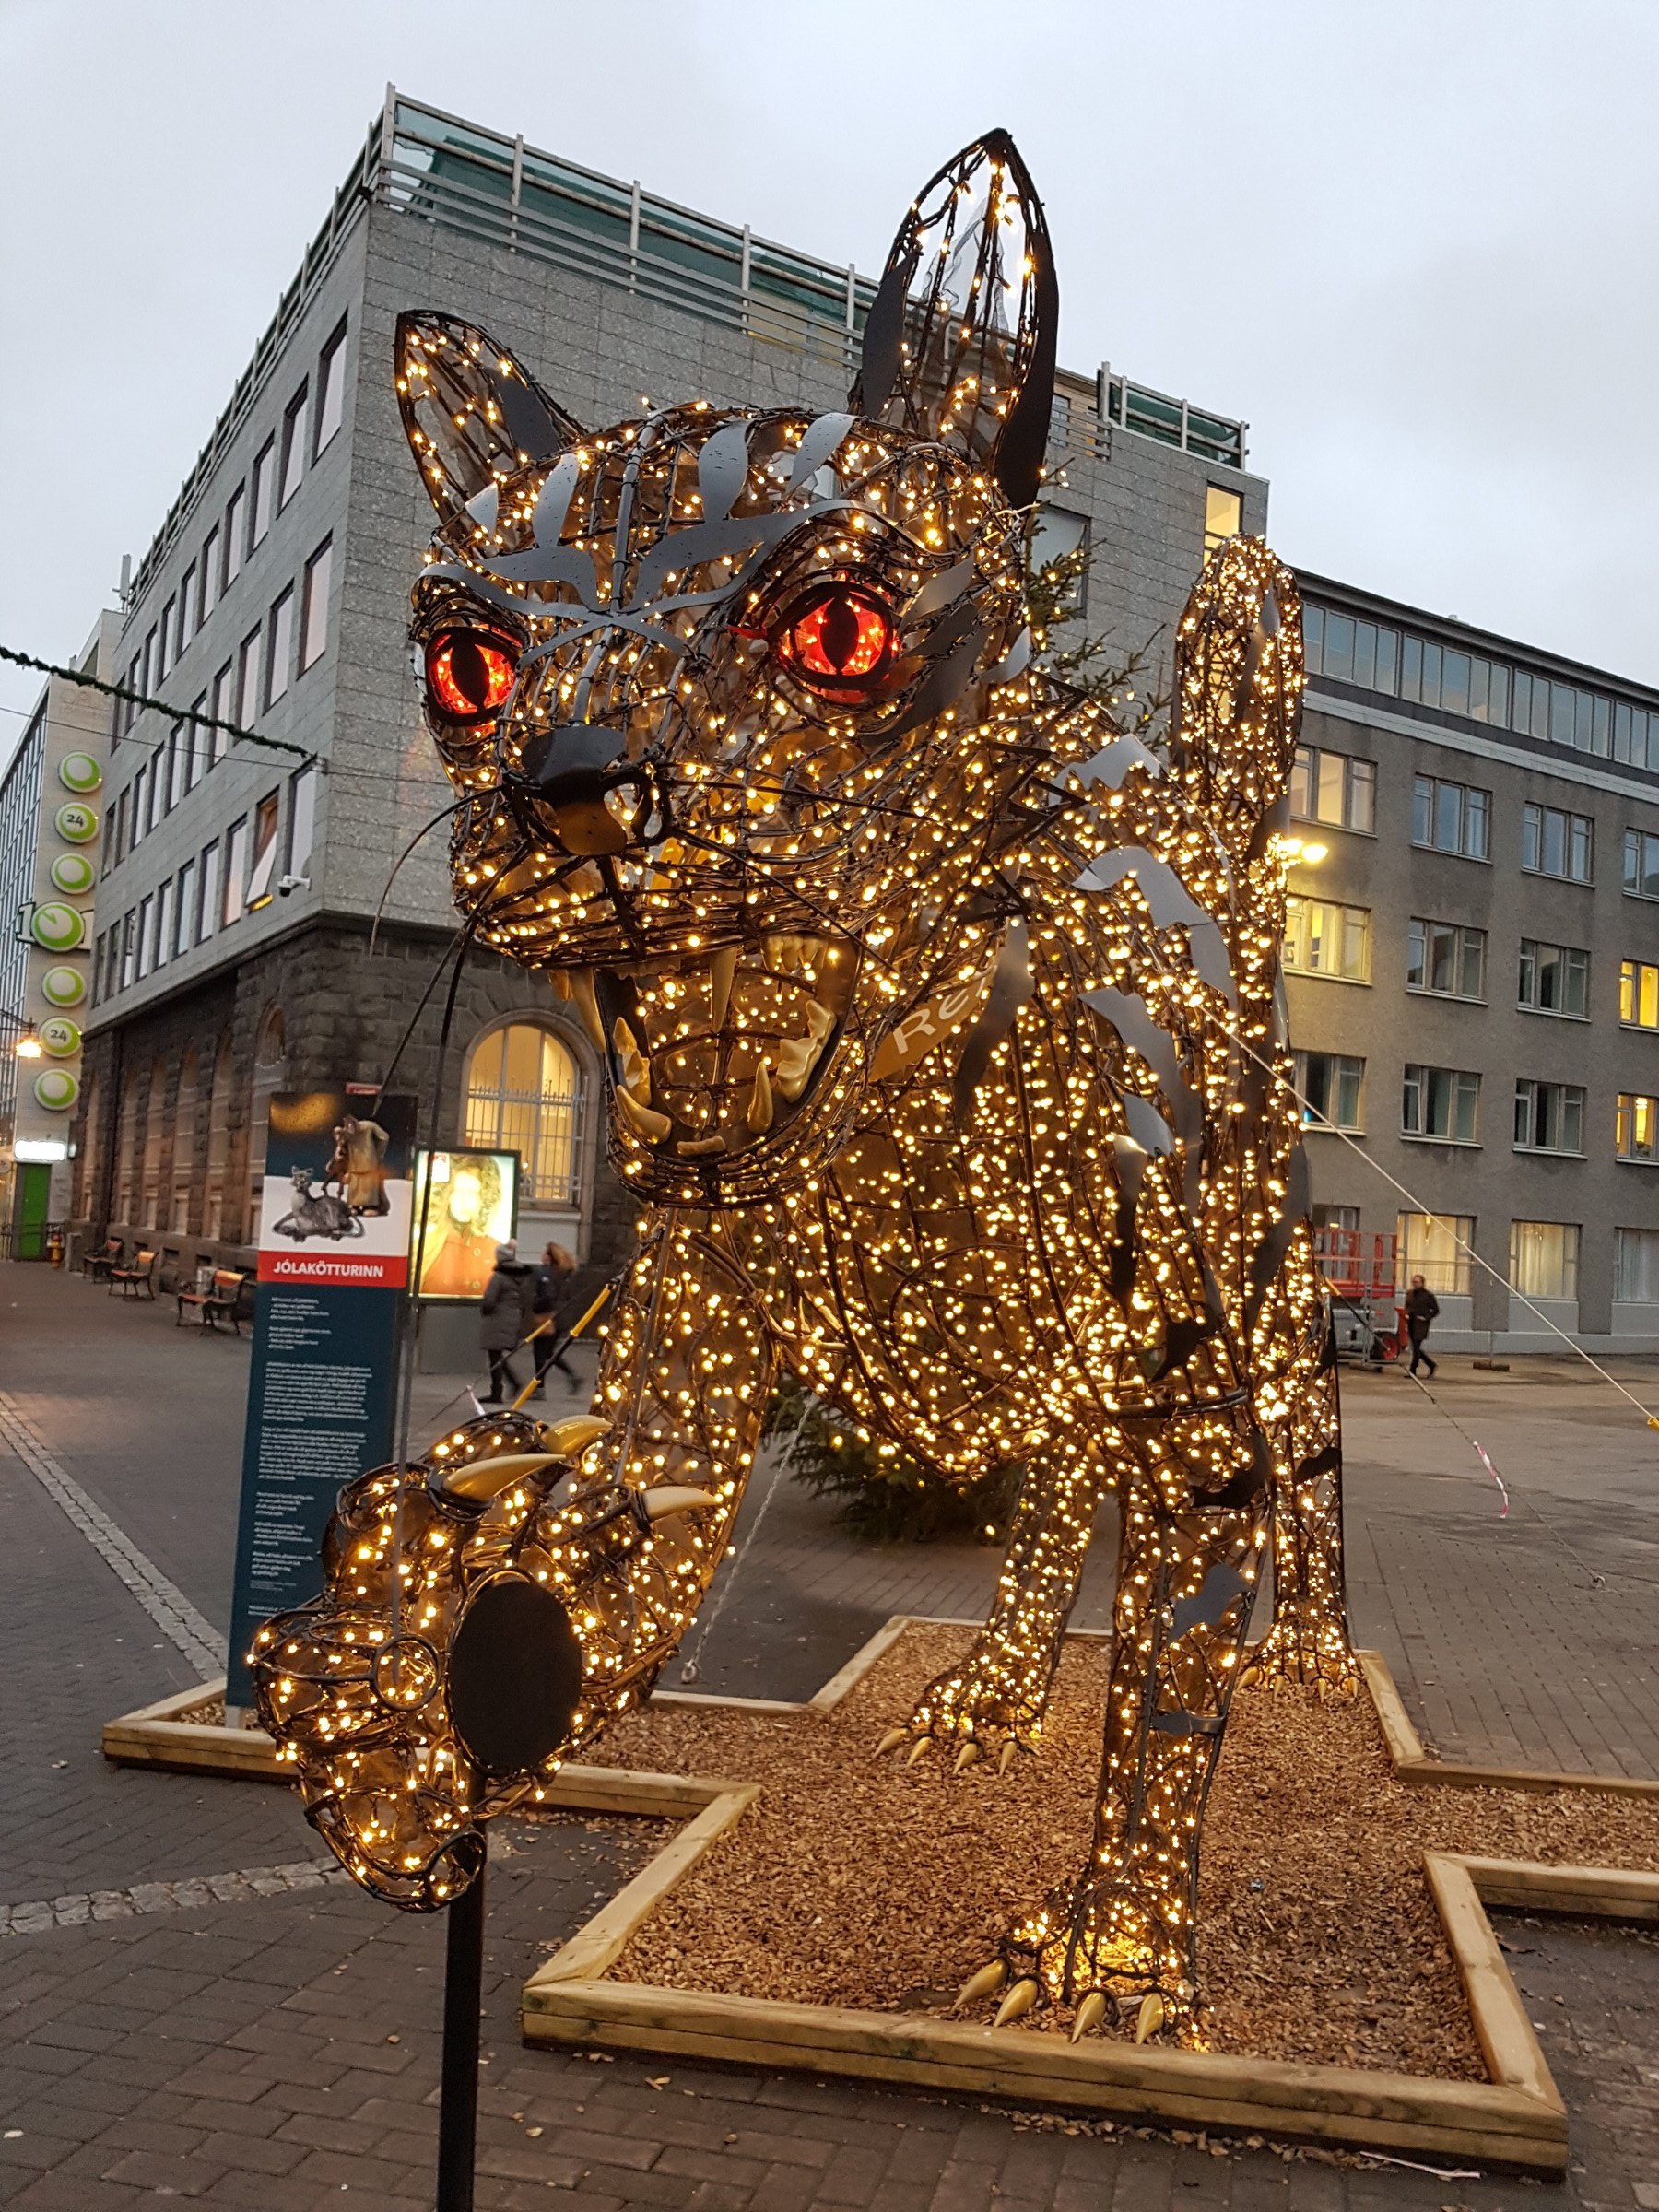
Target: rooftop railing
[[439, 169]]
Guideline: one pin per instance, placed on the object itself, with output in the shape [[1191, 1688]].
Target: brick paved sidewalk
[[237, 2051]]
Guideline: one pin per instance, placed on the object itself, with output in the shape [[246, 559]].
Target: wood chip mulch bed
[[877, 1886]]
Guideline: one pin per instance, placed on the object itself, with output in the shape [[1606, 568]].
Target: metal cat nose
[[570, 770]]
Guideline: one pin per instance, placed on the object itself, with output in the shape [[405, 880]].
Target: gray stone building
[[1475, 970], [242, 882]]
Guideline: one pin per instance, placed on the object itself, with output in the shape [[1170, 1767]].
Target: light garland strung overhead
[[923, 994]]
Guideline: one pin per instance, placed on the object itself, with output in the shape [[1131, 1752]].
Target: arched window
[[525, 1095], [270, 1075], [218, 1142], [155, 1129], [184, 1143]]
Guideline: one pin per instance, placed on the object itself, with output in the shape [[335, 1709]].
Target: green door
[[29, 1209]]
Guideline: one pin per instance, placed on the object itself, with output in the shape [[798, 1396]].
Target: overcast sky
[[1413, 245]]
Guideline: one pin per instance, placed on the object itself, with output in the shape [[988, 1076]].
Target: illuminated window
[[1550, 1117], [1440, 1103], [1556, 843], [1334, 788], [331, 389], [1636, 1133], [1437, 1247], [1544, 1258], [525, 1095], [263, 870], [1322, 938], [1330, 1087], [1445, 957], [1638, 995], [1223, 516], [1451, 817], [1555, 979]]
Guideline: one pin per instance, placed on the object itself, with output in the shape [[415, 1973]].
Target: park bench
[[139, 1280], [223, 1299], [96, 1266]]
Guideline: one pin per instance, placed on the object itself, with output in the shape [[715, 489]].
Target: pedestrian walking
[[1421, 1308], [504, 1318], [552, 1279]]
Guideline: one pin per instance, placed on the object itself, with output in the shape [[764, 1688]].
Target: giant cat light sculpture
[[940, 1022]]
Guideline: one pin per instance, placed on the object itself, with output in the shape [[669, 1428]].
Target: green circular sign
[[58, 928], [75, 822], [74, 873], [62, 987], [57, 1089], [60, 1035], [80, 771]]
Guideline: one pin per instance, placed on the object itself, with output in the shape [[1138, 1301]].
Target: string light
[[924, 993]]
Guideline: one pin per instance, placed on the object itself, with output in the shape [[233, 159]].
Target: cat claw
[[984, 1983], [923, 1744], [965, 1756], [1019, 2002], [1151, 2017], [891, 1741], [1090, 2013]]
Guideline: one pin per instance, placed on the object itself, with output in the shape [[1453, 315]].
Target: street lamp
[[27, 1045]]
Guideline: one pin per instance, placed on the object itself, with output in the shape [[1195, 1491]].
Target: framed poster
[[472, 1206]]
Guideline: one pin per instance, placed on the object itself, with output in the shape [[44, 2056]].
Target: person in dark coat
[[504, 1319], [552, 1278], [1421, 1308]]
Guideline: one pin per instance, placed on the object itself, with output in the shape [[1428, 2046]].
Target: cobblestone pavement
[[188, 2008]]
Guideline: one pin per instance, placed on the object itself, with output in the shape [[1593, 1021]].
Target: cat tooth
[[760, 1109], [585, 1000], [796, 1060], [643, 1120], [782, 954], [722, 969], [699, 1148], [635, 1069], [820, 1019]]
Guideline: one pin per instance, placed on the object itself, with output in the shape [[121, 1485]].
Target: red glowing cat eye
[[839, 641], [469, 674]]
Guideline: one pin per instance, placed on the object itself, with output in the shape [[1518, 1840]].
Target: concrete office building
[[242, 882], [51, 821], [1475, 968]]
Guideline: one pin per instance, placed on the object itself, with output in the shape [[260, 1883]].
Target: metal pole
[[458, 2095]]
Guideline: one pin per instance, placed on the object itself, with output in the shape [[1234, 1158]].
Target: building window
[[1059, 556], [293, 448], [218, 1141], [525, 1095], [146, 672], [1641, 862], [221, 702], [236, 869], [129, 949], [302, 820], [247, 679], [1556, 843], [1638, 995], [265, 471], [1334, 788], [236, 531], [314, 618], [185, 928], [1329, 1084], [1442, 1103], [164, 924], [1322, 938], [1555, 979], [1550, 1117], [164, 649], [1437, 1247], [1223, 516], [1544, 1258], [263, 870], [146, 935], [1636, 1265], [150, 1203], [212, 567], [1443, 957], [208, 910], [183, 1147], [331, 389], [1451, 817], [1636, 1133], [187, 608], [282, 647]]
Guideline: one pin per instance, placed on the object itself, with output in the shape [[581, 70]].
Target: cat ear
[[960, 340], [472, 415]]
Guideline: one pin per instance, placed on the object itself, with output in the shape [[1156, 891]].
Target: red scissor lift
[[1359, 1271]]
